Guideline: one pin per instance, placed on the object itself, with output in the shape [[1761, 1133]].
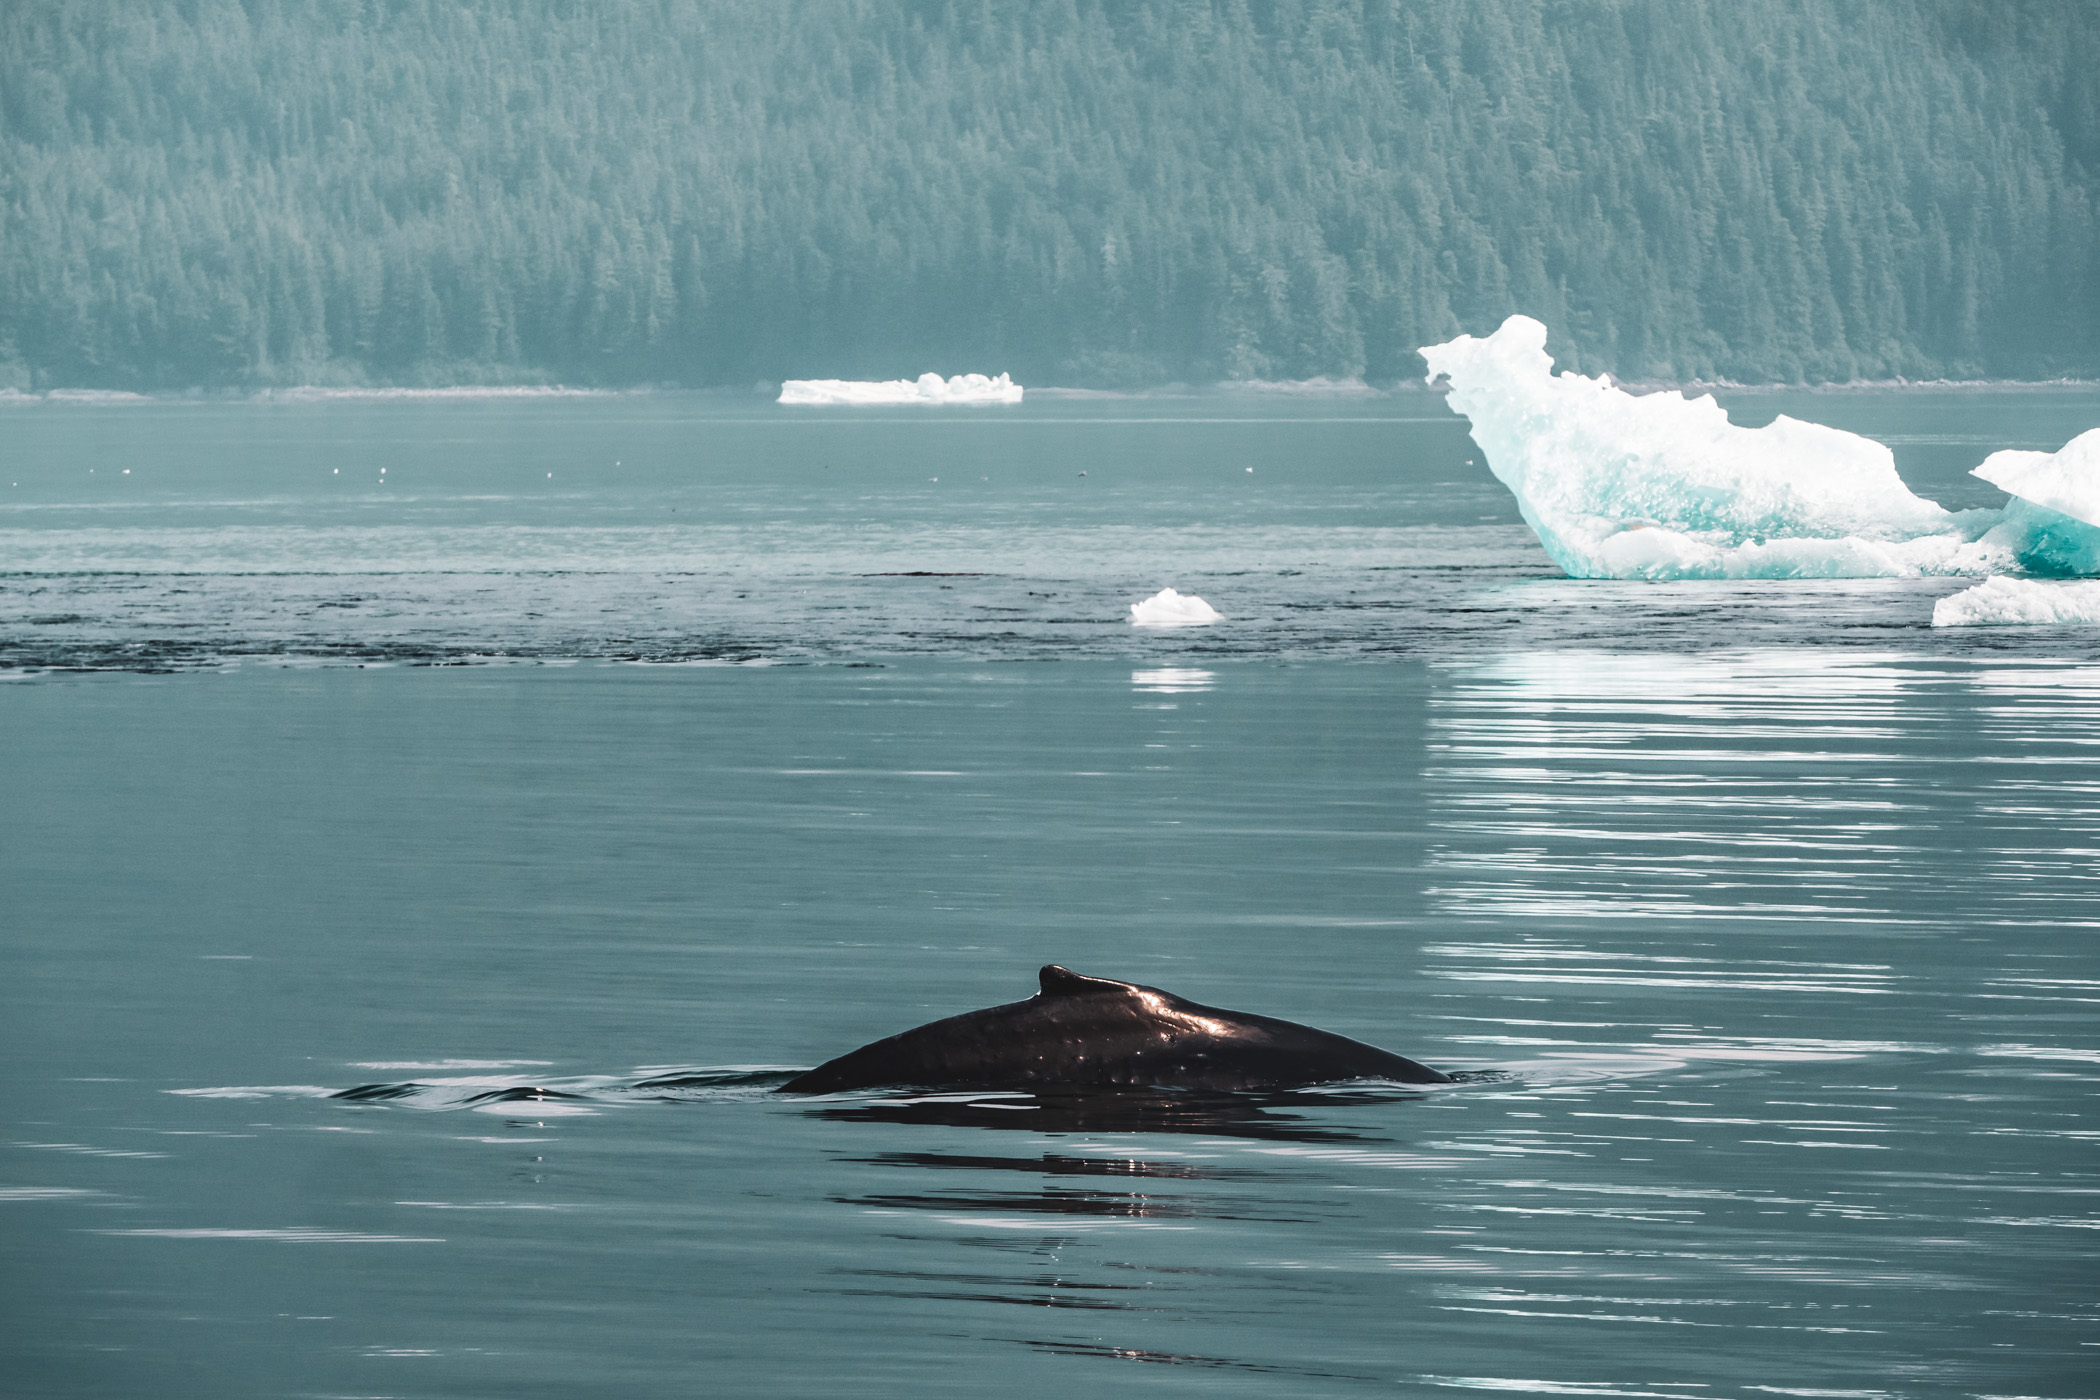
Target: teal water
[[675, 527], [1769, 910]]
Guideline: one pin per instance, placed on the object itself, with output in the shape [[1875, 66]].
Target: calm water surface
[[1768, 912], [677, 527]]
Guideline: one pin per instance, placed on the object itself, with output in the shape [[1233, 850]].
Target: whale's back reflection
[[1282, 1117]]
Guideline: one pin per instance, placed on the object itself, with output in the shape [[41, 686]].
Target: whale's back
[[1093, 1032]]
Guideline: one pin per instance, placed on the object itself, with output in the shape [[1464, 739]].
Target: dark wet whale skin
[[1090, 1032]]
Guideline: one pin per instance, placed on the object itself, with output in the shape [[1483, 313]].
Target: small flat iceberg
[[1660, 486], [2020, 602], [926, 389], [1167, 608]]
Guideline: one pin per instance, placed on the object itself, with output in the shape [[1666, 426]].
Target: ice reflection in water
[[1786, 959], [1172, 680], [1826, 900]]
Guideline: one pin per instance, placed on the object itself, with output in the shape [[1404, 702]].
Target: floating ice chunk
[[1619, 485], [2066, 481], [927, 388], [2053, 523], [1167, 608], [2003, 602]]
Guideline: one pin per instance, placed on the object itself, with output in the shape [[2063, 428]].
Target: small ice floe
[[2016, 602], [926, 389], [1167, 608]]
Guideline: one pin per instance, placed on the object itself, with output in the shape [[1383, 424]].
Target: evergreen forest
[[1120, 193]]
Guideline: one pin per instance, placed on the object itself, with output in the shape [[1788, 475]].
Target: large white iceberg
[[1620, 485], [2009, 602], [927, 388]]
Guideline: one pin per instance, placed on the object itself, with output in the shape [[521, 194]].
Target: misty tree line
[[210, 192]]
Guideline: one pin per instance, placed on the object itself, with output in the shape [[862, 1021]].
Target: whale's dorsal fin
[[1063, 982]]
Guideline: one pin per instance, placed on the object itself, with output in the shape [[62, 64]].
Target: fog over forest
[[255, 192]]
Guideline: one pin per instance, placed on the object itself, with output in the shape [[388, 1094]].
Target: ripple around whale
[[580, 1093], [1296, 1116], [1085, 1054], [1264, 1116]]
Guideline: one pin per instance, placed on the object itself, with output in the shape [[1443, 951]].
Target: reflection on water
[[1773, 788], [1772, 972], [1171, 1358], [1172, 680], [1222, 1114], [1055, 1164], [1082, 1111], [1125, 1205]]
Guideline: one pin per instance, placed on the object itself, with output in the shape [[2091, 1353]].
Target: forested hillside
[[213, 192]]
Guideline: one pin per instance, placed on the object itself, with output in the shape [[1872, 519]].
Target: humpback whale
[[1095, 1033]]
